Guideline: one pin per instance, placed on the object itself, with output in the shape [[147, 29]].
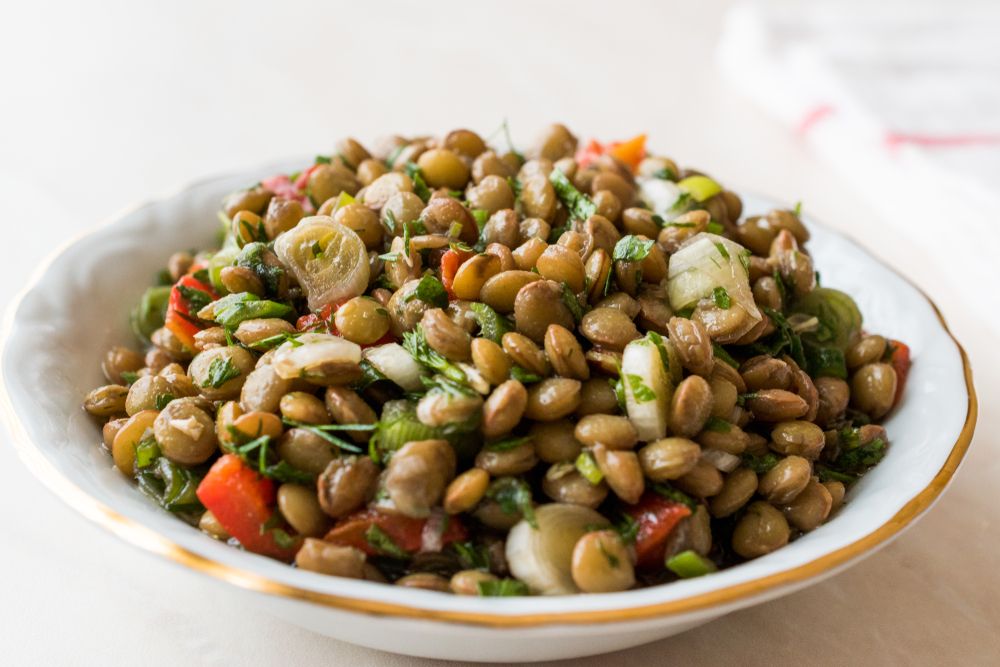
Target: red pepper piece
[[243, 503]]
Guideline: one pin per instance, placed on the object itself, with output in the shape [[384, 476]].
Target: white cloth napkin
[[901, 97]]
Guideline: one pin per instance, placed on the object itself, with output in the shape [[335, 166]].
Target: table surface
[[107, 103]]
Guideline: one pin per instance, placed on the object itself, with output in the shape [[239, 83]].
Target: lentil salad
[[452, 366]]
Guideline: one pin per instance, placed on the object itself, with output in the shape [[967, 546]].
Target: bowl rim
[[149, 540]]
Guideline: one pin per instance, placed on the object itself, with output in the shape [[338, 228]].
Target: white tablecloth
[[104, 103]]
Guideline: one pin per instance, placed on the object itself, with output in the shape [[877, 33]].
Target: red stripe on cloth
[[812, 117], [893, 139]]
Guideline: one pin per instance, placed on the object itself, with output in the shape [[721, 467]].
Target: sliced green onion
[[689, 564]]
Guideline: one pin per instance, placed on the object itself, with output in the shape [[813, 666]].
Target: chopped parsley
[[472, 556], [220, 371], [163, 400], [665, 174], [717, 425], [722, 354], [628, 528], [430, 291], [714, 227], [523, 375], [492, 325], [129, 377], [195, 298], [513, 495], [420, 188], [665, 490], [507, 444], [325, 431], [579, 205], [380, 541], [631, 248], [721, 298], [760, 464], [640, 392], [502, 588], [257, 454], [721, 247], [572, 303], [415, 342]]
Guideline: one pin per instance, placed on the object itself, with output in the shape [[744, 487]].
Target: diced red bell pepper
[[629, 152], [243, 503], [282, 186], [588, 153], [900, 362], [319, 322], [450, 261], [404, 531], [180, 320], [657, 517]]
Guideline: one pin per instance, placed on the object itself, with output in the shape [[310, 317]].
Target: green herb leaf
[[640, 392], [480, 215], [419, 185], [507, 444], [195, 298], [721, 353], [516, 186], [430, 291], [492, 325], [472, 556], [513, 495], [379, 540], [665, 490], [163, 400], [721, 297], [760, 464], [150, 312], [502, 588], [220, 371], [825, 362], [580, 206], [324, 433], [717, 425], [277, 340], [415, 342], [257, 454], [721, 247], [714, 227], [171, 486], [631, 248], [322, 159], [572, 303], [129, 377], [665, 174], [523, 375], [628, 528], [231, 310], [798, 209]]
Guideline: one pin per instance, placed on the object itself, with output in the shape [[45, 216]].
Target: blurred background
[[883, 118]]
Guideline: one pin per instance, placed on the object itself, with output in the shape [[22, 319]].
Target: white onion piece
[[720, 460], [648, 389], [542, 557], [659, 195], [394, 362], [311, 352], [707, 261], [432, 535], [328, 259]]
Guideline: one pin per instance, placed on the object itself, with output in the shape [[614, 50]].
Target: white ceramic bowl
[[55, 337]]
